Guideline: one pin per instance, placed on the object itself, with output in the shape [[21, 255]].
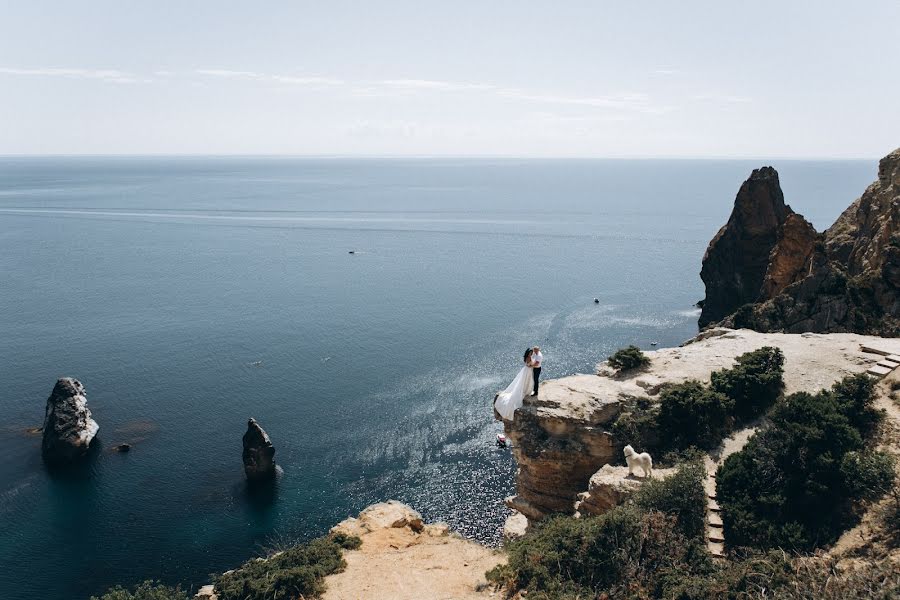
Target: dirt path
[[715, 536]]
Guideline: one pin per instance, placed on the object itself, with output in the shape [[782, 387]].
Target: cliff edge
[[563, 438]]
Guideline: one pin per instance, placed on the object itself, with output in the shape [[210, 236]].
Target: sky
[[463, 78]]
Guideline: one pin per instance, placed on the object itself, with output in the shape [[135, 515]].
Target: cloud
[[431, 84], [99, 74], [258, 76]]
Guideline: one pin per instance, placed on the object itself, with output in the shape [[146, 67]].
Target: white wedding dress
[[512, 397]]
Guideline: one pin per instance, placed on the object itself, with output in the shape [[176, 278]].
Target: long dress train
[[514, 395]]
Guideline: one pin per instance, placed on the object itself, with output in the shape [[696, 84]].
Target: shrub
[[681, 496], [789, 486], [691, 414], [637, 423], [294, 573], [148, 590], [565, 557], [868, 475], [628, 358], [754, 383]]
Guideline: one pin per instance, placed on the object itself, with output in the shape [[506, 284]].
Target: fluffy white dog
[[642, 460]]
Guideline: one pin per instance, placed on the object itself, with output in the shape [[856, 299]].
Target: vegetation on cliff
[[148, 590], [692, 414], [297, 572], [641, 545], [799, 482], [628, 358]]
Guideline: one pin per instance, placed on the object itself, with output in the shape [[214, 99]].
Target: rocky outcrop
[[846, 279], [737, 258], [68, 428], [561, 439], [259, 453], [609, 487]]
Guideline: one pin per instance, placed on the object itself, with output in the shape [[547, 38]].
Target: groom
[[536, 359]]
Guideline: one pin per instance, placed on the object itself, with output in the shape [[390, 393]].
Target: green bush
[[637, 424], [791, 485], [691, 414], [868, 475], [754, 383], [148, 590], [628, 358], [293, 573], [620, 551], [681, 496]]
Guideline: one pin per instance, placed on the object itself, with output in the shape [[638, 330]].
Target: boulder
[[259, 453], [611, 486], [383, 515], [68, 427]]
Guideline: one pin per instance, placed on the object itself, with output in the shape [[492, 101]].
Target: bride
[[512, 397]]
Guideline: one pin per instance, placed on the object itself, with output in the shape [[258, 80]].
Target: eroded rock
[[846, 279], [259, 453], [68, 428]]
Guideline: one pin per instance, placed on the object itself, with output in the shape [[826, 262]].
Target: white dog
[[642, 460]]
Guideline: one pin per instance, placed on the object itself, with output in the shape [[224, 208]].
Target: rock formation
[[559, 441], [562, 438], [846, 279], [68, 426], [259, 453], [736, 261], [609, 487]]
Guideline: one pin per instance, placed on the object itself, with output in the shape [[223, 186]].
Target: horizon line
[[430, 156]]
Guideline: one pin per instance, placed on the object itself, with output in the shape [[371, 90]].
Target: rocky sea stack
[[68, 426], [768, 269], [259, 453]]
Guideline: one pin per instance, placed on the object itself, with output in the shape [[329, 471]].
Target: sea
[[364, 311]]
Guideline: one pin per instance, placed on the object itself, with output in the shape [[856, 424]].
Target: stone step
[[714, 525], [715, 536], [713, 506], [878, 371], [711, 495], [871, 350], [888, 364], [714, 519], [716, 549], [893, 358]]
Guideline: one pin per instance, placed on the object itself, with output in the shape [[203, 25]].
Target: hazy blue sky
[[689, 78]]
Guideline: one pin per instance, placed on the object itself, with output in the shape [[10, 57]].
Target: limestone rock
[[68, 426], [737, 258], [515, 526], [207, 592], [259, 454], [560, 439], [844, 280], [384, 515], [611, 486]]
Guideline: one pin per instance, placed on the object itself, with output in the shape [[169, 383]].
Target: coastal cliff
[[768, 269], [562, 439]]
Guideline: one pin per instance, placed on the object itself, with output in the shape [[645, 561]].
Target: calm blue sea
[[188, 294]]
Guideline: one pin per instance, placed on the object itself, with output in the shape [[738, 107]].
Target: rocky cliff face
[[846, 279], [68, 426], [737, 259]]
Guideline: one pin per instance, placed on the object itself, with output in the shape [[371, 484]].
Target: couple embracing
[[525, 383]]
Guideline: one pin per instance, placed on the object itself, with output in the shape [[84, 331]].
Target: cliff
[[769, 270], [562, 439]]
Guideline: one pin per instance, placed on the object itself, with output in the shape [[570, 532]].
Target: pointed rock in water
[[259, 453], [68, 426]]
